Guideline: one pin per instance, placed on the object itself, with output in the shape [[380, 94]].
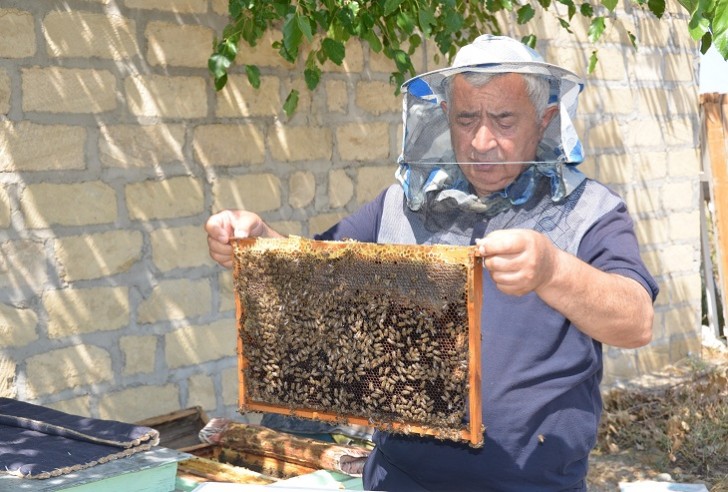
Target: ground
[[671, 426]]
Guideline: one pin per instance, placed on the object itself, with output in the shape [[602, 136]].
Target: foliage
[[319, 29]]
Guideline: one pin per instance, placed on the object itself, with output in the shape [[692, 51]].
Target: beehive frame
[[376, 335]]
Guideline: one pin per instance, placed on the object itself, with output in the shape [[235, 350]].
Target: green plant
[[320, 28]]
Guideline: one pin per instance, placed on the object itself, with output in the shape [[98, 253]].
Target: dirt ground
[[664, 421]]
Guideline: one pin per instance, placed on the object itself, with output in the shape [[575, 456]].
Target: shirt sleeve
[[362, 225], [611, 246]]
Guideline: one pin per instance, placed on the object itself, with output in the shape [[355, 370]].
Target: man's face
[[494, 123]]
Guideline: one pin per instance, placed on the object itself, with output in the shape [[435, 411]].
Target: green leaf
[[312, 76], [610, 4], [565, 25], [374, 43], [220, 82], [699, 24], [586, 10], [229, 49], [657, 7], [253, 73], [334, 50], [291, 103], [529, 40], [304, 25], [402, 60], [390, 6], [406, 22], [596, 29], [545, 3], [525, 14], [426, 20], [593, 60], [218, 65], [720, 28], [292, 37], [632, 39]]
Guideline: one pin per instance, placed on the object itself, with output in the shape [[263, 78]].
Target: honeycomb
[[361, 333]]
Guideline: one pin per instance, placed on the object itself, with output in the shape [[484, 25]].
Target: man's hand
[[519, 260], [227, 224]]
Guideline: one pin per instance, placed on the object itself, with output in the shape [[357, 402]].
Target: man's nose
[[484, 139]]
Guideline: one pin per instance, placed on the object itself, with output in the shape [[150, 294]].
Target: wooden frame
[[473, 432]]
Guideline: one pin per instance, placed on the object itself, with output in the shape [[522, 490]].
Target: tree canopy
[[319, 29]]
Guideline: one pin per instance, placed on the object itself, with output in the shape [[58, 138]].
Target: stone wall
[[115, 148]]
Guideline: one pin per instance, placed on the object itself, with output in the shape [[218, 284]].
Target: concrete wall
[[115, 148]]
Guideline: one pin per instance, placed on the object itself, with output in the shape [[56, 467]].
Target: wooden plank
[[475, 302]]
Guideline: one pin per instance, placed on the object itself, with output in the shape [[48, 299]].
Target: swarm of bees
[[355, 330]]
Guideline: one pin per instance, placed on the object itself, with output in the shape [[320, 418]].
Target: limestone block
[[228, 145], [81, 34], [614, 168], [644, 134], [653, 357], [670, 258], [682, 132], [18, 28], [619, 365], [653, 101], [643, 200], [337, 96], [66, 368], [682, 320], [682, 195], [650, 166], [684, 226], [263, 54], [46, 204], [98, 255], [179, 247], [22, 267], [166, 96], [5, 92], [5, 208], [652, 230], [8, 368], [373, 180], [219, 7], [682, 67], [138, 354], [301, 189], [688, 287], [654, 32], [55, 147], [78, 311], [240, 99], [230, 386], [299, 143], [194, 345], [17, 327], [254, 192], [353, 61], [377, 98], [683, 163], [646, 66], [604, 136], [322, 222], [174, 197], [176, 6], [601, 100], [227, 296], [363, 141], [134, 146], [132, 404], [689, 345], [175, 299], [288, 227], [341, 188], [75, 406], [201, 392], [178, 45], [68, 90]]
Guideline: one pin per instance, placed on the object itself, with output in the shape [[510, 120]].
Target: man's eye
[[466, 121]]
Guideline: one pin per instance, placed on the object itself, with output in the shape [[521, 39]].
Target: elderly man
[[489, 158]]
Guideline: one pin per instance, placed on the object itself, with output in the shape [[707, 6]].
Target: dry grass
[[680, 429]]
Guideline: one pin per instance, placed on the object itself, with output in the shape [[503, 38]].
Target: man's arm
[[608, 307], [227, 224]]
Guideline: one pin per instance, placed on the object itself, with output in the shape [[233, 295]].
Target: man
[[489, 159]]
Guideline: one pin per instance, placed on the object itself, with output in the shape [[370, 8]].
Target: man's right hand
[[227, 224]]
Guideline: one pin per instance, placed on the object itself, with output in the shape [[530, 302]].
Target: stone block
[[254, 192], [371, 181], [337, 96], [17, 326], [179, 247], [8, 383], [353, 61], [5, 208], [160, 96], [653, 101], [66, 368], [377, 98], [682, 67], [653, 358], [135, 146], [220, 7], [68, 90], [614, 169], [602, 100], [341, 188], [228, 145], [47, 204], [176, 6], [22, 267], [98, 255], [682, 319], [227, 296], [18, 28], [78, 311], [644, 134], [684, 226], [288, 227], [320, 223], [683, 163], [301, 189], [79, 34], [646, 66], [55, 147], [680, 196], [5, 92], [230, 386], [682, 132], [652, 230], [138, 354], [363, 141], [263, 54], [175, 299], [174, 197], [175, 45], [300, 143], [195, 345], [619, 365], [239, 99], [74, 406], [201, 392], [132, 404], [603, 137], [650, 166], [643, 200]]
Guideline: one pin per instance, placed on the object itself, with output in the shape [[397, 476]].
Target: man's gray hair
[[537, 87]]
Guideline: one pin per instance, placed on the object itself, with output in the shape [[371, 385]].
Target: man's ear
[[443, 105], [548, 115]]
